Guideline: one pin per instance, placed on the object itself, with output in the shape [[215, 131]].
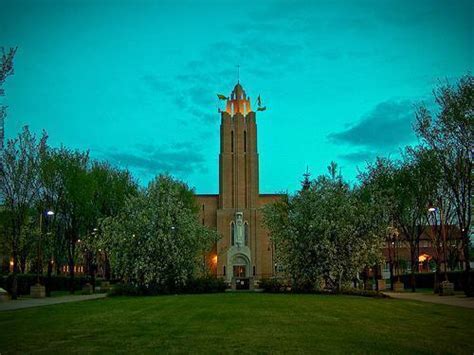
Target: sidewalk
[[456, 300], [38, 302]]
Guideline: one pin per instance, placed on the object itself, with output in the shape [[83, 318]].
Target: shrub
[[275, 285], [121, 289], [57, 282], [195, 285], [426, 279], [205, 285]]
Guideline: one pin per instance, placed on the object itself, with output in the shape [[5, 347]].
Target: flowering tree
[[156, 239], [325, 232]]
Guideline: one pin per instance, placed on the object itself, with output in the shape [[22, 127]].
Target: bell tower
[[244, 253], [238, 158]]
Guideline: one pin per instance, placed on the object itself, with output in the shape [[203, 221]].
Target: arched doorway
[[240, 266]]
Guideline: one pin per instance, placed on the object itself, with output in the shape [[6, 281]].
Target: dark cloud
[[149, 160], [387, 126], [359, 156]]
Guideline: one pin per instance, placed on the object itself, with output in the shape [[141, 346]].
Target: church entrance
[[239, 271]]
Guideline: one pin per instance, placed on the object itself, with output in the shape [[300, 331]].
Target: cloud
[[149, 160], [385, 127], [262, 48], [358, 156]]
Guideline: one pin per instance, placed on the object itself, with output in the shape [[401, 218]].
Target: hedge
[[58, 283], [426, 279], [196, 285], [275, 285]]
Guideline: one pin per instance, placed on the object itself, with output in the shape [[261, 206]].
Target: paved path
[[456, 300], [37, 302]]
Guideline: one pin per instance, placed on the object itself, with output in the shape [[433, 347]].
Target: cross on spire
[[238, 73]]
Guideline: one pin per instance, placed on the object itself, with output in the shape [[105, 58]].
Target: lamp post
[[443, 233], [38, 291], [48, 213]]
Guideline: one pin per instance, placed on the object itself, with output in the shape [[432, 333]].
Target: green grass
[[240, 323]]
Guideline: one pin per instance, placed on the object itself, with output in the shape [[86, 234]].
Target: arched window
[[232, 141], [232, 234], [224, 270], [246, 231], [245, 141]]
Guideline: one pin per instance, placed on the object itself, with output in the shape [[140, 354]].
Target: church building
[[244, 253]]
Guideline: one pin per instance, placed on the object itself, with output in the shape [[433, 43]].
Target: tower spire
[[238, 73]]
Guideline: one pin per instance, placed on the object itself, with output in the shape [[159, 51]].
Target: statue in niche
[[239, 228]]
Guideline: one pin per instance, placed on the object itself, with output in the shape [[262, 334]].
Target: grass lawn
[[240, 322]]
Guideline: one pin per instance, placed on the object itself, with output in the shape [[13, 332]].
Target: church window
[[224, 270], [232, 141], [246, 231], [232, 234], [254, 270], [245, 141]]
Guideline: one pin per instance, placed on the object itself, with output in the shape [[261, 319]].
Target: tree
[[450, 135], [156, 239], [6, 69], [111, 189], [19, 184], [326, 232], [75, 208], [414, 188], [377, 183]]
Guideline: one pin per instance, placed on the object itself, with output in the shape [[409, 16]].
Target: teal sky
[[135, 82]]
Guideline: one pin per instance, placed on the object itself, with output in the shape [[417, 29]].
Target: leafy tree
[[19, 184], [450, 135], [414, 188], [74, 205], [440, 209], [156, 239], [112, 186]]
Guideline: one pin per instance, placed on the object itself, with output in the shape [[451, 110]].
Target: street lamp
[[443, 233], [48, 213]]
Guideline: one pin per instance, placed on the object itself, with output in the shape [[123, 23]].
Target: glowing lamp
[[214, 259]]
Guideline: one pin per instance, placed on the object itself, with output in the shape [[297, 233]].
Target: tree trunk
[[15, 234], [15, 278], [437, 277], [106, 267], [468, 287], [71, 249], [391, 275], [376, 277], [413, 261], [48, 282]]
